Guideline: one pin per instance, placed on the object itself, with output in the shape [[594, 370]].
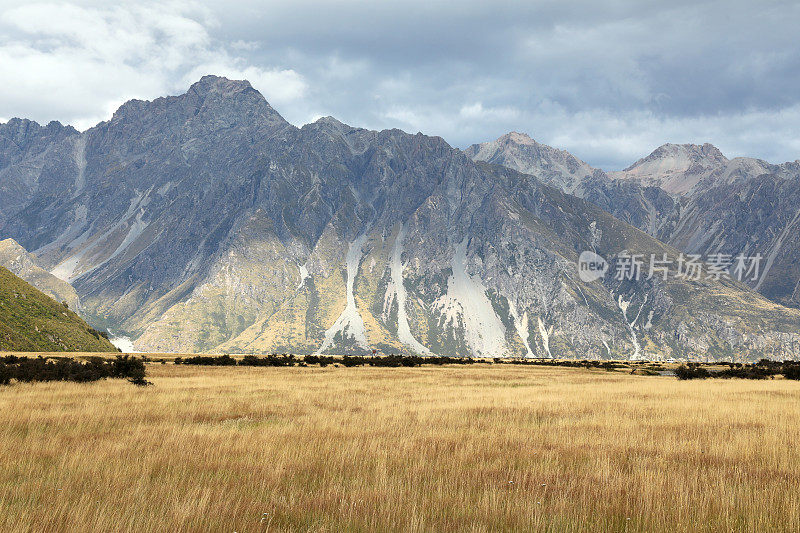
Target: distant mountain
[[206, 222], [649, 208], [676, 168], [756, 215], [688, 170], [553, 167], [31, 321], [709, 204]]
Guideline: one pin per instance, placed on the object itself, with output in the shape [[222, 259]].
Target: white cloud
[[614, 140], [476, 111], [78, 64]]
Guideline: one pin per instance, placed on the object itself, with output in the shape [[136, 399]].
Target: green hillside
[[33, 322]]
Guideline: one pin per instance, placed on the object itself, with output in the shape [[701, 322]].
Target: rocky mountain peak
[[219, 84], [522, 153], [676, 168], [679, 157], [24, 127], [213, 102], [515, 137], [332, 124]]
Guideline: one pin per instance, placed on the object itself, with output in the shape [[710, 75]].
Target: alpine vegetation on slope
[[33, 322], [206, 222]]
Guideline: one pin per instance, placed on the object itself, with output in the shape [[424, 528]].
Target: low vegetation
[[31, 321], [39, 369], [434, 448], [764, 369]]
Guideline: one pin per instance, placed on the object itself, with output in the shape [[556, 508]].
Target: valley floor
[[478, 448]]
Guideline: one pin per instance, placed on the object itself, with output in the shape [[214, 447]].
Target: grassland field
[[439, 448]]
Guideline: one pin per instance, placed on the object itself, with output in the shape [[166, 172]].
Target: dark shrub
[[29, 370], [791, 371], [321, 360], [207, 360], [746, 372], [396, 361], [125, 366], [270, 360], [691, 372]]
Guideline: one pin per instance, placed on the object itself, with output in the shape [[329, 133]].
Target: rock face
[[24, 265], [205, 222], [759, 215]]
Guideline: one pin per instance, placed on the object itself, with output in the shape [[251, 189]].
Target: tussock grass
[[476, 448]]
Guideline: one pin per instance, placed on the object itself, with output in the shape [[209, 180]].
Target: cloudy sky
[[608, 81]]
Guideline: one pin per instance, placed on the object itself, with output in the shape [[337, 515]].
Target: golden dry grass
[[482, 448]]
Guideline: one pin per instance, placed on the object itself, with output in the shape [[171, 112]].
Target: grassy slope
[[485, 448], [32, 321]]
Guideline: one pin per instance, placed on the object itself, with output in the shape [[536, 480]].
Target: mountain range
[[689, 196], [205, 222]]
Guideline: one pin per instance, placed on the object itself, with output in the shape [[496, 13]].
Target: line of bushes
[[322, 360], [29, 370], [584, 363], [764, 369], [206, 360]]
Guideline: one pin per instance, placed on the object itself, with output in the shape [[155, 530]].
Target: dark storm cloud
[[608, 81]]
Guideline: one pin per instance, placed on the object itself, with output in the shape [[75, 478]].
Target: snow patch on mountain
[[125, 344], [66, 269], [624, 305]]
